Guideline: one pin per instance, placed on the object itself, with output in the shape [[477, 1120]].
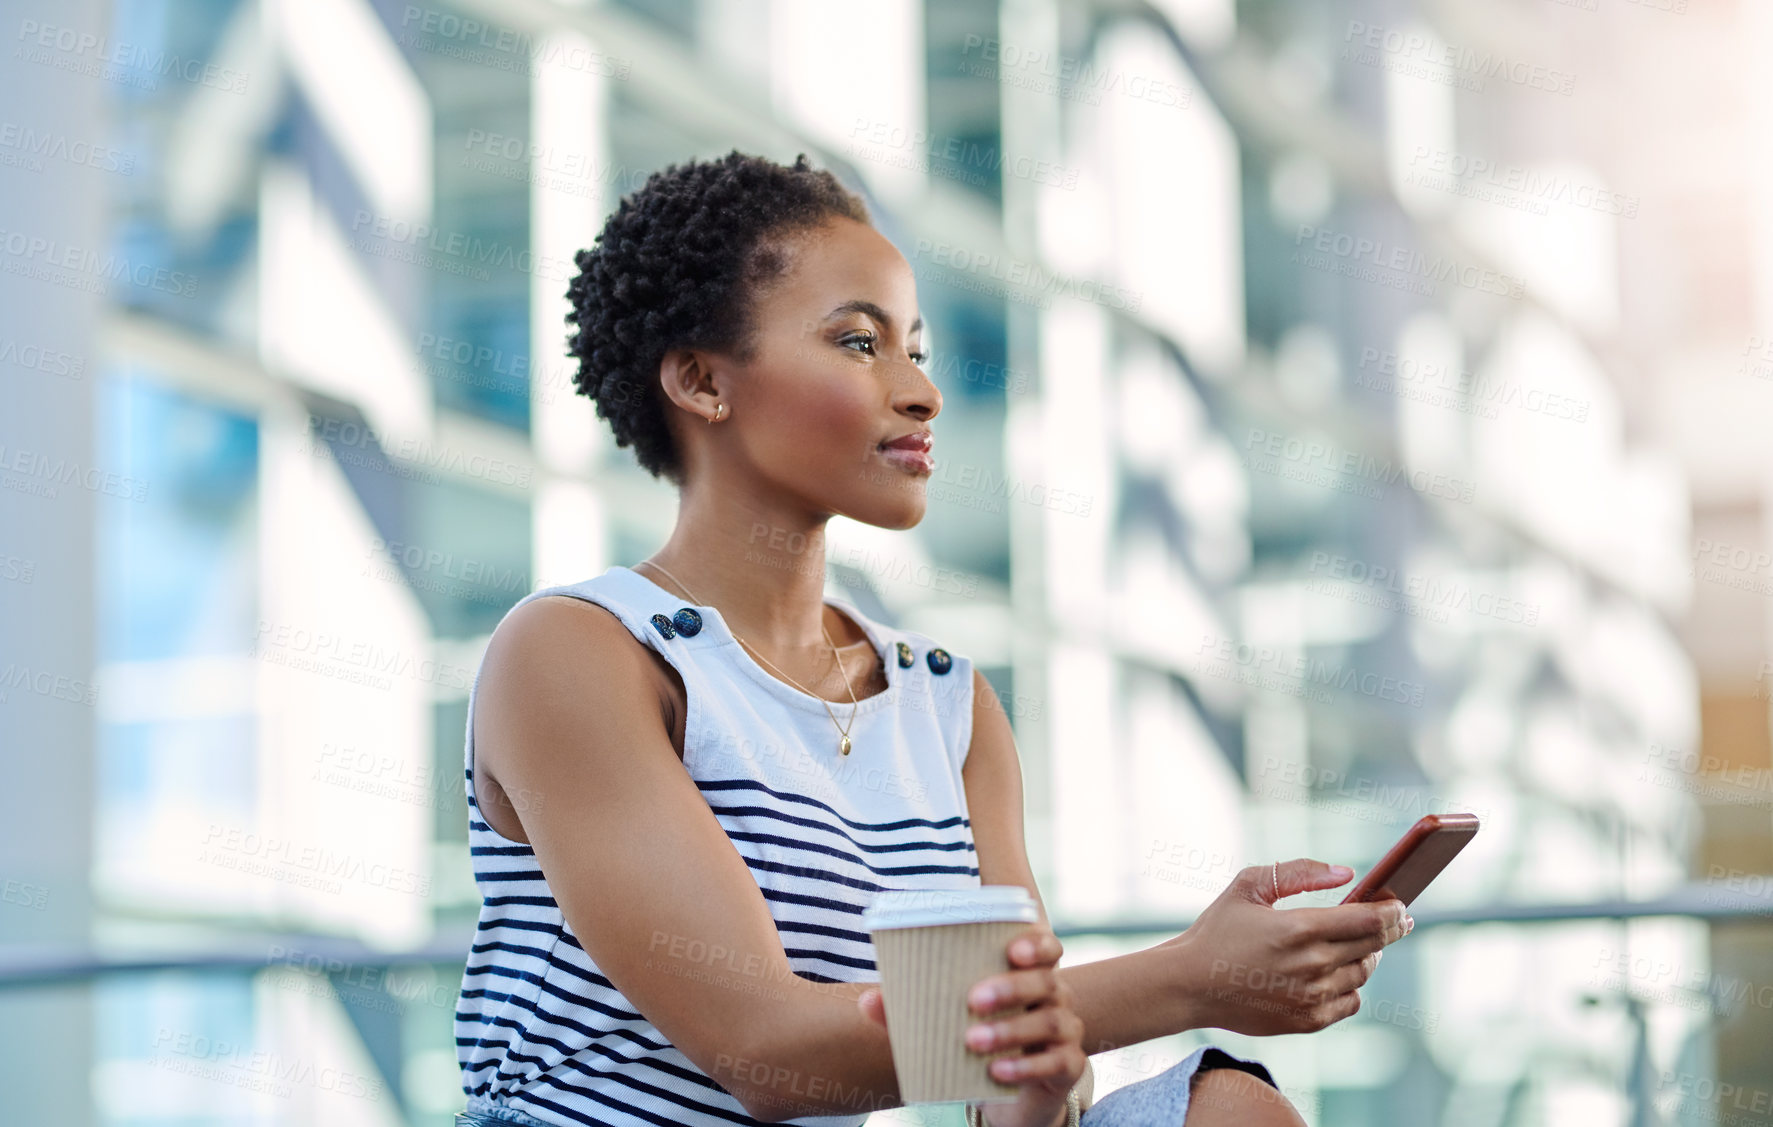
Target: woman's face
[[834, 377]]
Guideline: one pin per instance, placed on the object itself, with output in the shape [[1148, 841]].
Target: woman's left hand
[[1028, 1008]]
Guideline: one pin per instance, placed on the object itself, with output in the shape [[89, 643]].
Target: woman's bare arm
[[646, 876], [1116, 997], [1196, 979]]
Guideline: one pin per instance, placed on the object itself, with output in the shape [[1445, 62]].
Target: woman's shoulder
[[591, 631], [915, 647]]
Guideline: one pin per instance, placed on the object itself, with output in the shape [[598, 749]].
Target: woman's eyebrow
[[862, 305]]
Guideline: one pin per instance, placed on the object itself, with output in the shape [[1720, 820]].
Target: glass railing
[[303, 1029]]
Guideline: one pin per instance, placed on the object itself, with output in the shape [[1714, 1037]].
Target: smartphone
[[1417, 858]]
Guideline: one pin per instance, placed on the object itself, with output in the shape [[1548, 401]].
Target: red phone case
[[1417, 858]]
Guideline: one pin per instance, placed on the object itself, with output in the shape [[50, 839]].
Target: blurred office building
[[1351, 412]]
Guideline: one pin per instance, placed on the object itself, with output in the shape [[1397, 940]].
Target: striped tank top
[[544, 1037]]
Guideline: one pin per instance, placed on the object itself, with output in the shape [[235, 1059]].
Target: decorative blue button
[[688, 622], [663, 625], [904, 656], [939, 660]]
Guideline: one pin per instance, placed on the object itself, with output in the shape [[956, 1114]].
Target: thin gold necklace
[[844, 746]]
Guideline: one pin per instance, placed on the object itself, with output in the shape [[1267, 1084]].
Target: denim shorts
[[1160, 1101], [482, 1113]]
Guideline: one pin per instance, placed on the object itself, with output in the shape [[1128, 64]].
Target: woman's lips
[[909, 458]]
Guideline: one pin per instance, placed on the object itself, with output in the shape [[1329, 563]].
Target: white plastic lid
[[924, 907]]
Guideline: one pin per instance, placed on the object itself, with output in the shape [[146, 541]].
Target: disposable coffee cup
[[931, 946]]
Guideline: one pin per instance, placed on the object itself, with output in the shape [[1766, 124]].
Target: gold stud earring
[[719, 412]]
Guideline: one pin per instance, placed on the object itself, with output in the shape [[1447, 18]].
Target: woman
[[688, 778]]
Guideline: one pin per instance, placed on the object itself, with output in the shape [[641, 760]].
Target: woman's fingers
[[1345, 979], [1341, 951], [873, 1006], [1037, 946], [1063, 1063], [1381, 921], [1033, 1027], [1037, 949], [1014, 988]]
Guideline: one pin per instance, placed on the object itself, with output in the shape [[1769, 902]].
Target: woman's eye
[[867, 339]]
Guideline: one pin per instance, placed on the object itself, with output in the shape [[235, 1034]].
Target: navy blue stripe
[[501, 851], [639, 1039], [854, 882], [519, 925], [801, 843], [577, 1000], [840, 960], [830, 851], [806, 901], [624, 1078], [528, 925], [823, 929], [515, 949], [789, 796], [551, 959], [815, 824], [528, 1097]]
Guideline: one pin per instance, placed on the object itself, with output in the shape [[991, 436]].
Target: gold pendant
[[845, 746]]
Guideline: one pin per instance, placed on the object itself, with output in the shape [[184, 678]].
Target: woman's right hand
[[1253, 969]]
